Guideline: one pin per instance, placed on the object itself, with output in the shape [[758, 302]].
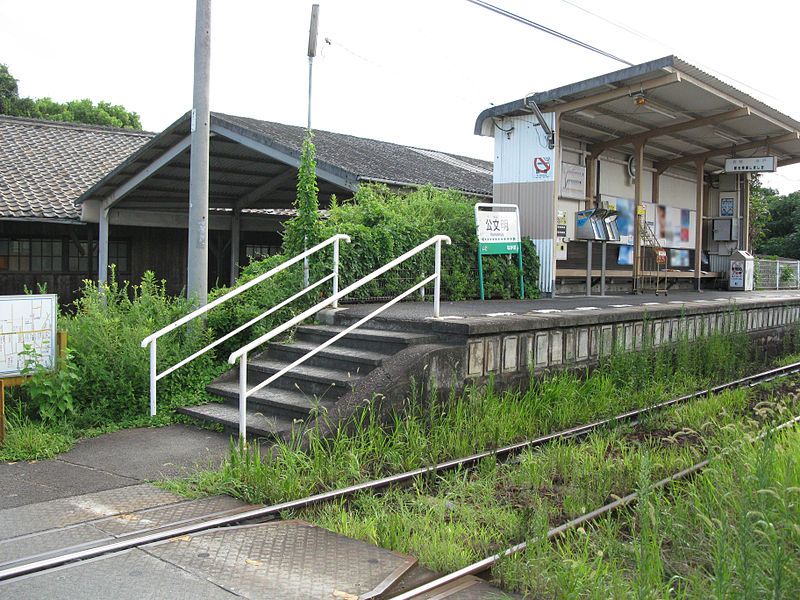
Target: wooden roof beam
[[617, 93], [270, 186], [728, 150], [638, 138]]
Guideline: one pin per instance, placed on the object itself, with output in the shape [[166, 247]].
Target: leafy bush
[[50, 390], [383, 225], [105, 333]]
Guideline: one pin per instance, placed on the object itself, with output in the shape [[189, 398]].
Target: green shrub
[[50, 390], [105, 333], [383, 225]]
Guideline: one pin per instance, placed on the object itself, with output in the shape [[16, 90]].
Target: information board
[[27, 321]]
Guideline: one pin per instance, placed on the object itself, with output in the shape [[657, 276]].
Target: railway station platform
[[510, 339]]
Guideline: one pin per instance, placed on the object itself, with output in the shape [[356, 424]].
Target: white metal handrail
[[153, 337], [242, 353]]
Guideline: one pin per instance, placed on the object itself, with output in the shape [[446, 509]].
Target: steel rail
[[167, 532], [488, 562]]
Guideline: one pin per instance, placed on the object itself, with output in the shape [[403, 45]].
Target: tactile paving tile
[[290, 560], [153, 518], [63, 512]]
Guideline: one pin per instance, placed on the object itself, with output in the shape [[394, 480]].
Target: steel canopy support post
[[197, 269], [637, 234], [698, 233]]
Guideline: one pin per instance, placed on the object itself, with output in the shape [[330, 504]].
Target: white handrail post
[[437, 283], [243, 399], [336, 272], [153, 378]]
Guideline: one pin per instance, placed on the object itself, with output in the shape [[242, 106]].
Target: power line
[[548, 30], [659, 42]]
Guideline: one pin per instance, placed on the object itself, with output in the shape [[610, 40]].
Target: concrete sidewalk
[[113, 460]]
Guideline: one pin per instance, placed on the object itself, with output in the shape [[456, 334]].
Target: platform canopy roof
[[253, 167], [681, 114]]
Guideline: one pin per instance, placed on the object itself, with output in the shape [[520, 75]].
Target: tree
[[760, 199], [79, 111], [775, 222], [8, 89]]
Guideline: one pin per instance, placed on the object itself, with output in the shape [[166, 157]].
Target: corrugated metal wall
[[515, 182]]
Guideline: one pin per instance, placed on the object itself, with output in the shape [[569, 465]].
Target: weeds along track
[[49, 561], [585, 519]]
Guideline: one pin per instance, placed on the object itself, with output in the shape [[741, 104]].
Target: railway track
[[51, 560]]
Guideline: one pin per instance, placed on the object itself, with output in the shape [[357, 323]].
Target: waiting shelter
[[253, 178], [651, 142]]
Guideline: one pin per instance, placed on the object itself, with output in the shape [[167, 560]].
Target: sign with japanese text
[[497, 226], [27, 322], [498, 231]]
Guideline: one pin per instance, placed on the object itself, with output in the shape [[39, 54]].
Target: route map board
[[27, 320]]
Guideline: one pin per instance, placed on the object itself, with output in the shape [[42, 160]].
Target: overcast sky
[[415, 72]]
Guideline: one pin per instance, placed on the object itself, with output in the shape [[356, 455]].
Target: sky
[[414, 72]]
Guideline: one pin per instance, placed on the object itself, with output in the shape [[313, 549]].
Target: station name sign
[[498, 230], [756, 164]]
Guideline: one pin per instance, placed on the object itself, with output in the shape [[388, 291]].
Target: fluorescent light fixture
[[586, 113], [644, 102], [726, 136], [660, 111]]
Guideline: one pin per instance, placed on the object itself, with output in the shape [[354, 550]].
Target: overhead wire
[[651, 39], [548, 30]]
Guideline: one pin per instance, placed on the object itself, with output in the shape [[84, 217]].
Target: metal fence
[[777, 274]]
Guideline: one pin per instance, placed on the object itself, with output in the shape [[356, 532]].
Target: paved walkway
[[113, 460]]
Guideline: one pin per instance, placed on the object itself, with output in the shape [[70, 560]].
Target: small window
[[33, 255], [259, 251]]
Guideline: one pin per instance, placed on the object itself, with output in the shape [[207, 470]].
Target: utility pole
[[197, 271], [312, 52]]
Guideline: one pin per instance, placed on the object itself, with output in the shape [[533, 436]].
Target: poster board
[[27, 320]]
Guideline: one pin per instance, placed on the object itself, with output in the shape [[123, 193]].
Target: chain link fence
[[780, 274]]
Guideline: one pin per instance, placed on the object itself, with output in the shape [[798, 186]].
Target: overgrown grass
[[426, 431], [28, 439], [665, 547]]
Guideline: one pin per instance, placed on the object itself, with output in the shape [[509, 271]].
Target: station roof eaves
[[635, 78], [44, 164], [343, 161]]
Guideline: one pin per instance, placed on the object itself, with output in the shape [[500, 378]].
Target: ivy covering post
[[305, 232]]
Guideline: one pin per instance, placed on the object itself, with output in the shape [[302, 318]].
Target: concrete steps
[[308, 389]]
